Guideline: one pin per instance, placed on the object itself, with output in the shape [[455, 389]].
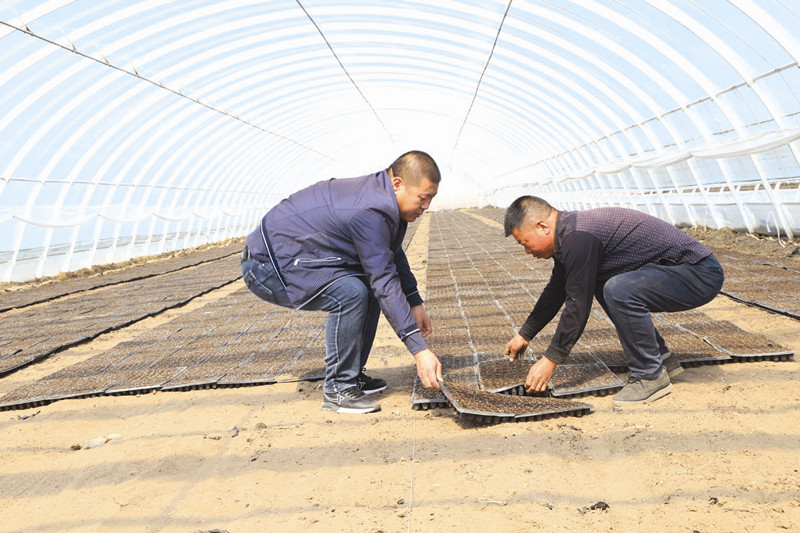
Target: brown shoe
[[671, 363]]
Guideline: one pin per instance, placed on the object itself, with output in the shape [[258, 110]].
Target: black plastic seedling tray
[[575, 380], [144, 380], [455, 368], [504, 376], [490, 408], [423, 399]]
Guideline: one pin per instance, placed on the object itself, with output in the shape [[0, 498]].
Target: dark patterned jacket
[[590, 248]]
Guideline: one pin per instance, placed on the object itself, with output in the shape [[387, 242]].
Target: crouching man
[[633, 263], [336, 246]]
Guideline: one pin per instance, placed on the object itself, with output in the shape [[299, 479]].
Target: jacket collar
[[558, 236]]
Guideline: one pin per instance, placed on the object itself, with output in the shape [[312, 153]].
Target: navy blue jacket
[[338, 228]]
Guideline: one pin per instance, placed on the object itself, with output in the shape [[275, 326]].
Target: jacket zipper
[[323, 260]]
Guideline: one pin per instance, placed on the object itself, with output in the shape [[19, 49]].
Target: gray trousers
[[630, 297]]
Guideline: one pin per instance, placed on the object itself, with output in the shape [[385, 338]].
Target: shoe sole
[[373, 391], [660, 393], [329, 406]]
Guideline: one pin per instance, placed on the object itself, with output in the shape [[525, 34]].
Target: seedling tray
[[144, 380], [310, 366], [570, 380], [203, 376], [455, 368], [611, 355], [423, 399], [739, 344], [489, 408], [504, 376]]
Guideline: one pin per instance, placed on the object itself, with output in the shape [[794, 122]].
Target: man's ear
[[545, 227], [398, 183]]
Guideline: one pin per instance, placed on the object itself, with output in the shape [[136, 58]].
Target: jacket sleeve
[[372, 236], [407, 279], [547, 306], [581, 254]]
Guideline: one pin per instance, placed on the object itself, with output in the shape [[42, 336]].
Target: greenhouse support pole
[[777, 205]]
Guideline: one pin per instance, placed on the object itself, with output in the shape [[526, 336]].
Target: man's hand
[[515, 347], [429, 369], [423, 320], [539, 375]]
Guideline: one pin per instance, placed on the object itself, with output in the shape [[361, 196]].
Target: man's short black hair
[[525, 209], [415, 165]]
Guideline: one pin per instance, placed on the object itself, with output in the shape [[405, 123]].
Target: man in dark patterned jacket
[[633, 263], [336, 246]]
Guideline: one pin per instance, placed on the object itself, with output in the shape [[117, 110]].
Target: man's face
[[537, 239], [413, 200]]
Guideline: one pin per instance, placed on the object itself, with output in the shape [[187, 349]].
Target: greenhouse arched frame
[[132, 128]]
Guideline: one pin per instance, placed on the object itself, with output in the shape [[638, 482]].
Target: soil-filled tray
[[750, 293], [8, 349], [456, 368], [699, 357], [490, 408], [467, 376], [504, 376], [785, 306], [253, 373], [32, 394], [750, 347], [583, 379], [580, 356], [599, 336], [537, 346], [681, 317], [732, 340], [264, 366], [144, 380], [205, 375], [308, 367], [16, 361], [611, 355], [82, 387], [90, 367], [460, 365], [690, 349], [424, 399]]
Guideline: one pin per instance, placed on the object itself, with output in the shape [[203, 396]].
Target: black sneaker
[[370, 385], [351, 400]]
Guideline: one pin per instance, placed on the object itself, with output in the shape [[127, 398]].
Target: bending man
[[336, 246], [633, 263]]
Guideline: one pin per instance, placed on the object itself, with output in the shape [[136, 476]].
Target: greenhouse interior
[[137, 128], [146, 388]]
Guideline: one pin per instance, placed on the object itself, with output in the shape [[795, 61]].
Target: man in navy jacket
[[336, 246]]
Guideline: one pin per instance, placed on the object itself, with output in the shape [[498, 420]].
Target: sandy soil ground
[[719, 454]]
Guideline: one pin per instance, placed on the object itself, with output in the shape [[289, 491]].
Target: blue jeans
[[630, 297], [353, 314]]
